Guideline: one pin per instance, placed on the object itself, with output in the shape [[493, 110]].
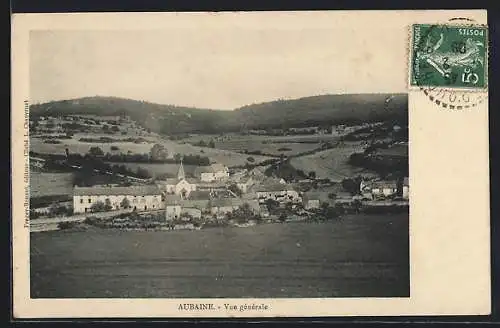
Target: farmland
[[74, 145], [332, 163], [265, 144], [49, 184], [160, 169]]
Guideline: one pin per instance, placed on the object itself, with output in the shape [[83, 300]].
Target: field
[[48, 184], [357, 256], [226, 157], [272, 145], [159, 169], [332, 163]]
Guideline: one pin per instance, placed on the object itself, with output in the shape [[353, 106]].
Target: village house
[[279, 192], [245, 183], [314, 199], [213, 172], [382, 189], [172, 207], [144, 197], [36, 162], [406, 188]]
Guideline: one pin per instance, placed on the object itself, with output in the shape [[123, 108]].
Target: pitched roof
[[217, 167], [219, 202], [315, 195], [383, 184], [105, 191], [199, 195], [172, 199], [212, 168], [273, 187]]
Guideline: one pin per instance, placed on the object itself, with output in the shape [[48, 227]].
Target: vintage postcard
[[250, 164]]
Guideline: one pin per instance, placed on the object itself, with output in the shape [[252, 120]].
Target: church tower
[[180, 174]]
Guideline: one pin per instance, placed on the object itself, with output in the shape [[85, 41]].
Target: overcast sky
[[218, 67]]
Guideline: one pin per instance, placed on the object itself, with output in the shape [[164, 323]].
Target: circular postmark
[[446, 94]]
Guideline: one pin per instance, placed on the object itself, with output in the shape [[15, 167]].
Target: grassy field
[[159, 169], [357, 256], [273, 145], [332, 163], [229, 158], [47, 184]]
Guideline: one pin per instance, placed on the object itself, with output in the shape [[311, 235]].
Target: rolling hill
[[307, 111]]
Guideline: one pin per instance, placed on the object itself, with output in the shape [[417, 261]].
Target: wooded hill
[[322, 110]]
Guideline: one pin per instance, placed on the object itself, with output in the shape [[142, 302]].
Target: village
[[266, 188], [239, 198]]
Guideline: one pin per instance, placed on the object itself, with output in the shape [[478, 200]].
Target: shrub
[[66, 225]]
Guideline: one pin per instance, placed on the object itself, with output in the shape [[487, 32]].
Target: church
[[180, 186]]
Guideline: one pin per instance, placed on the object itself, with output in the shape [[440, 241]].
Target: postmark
[[449, 63], [449, 56]]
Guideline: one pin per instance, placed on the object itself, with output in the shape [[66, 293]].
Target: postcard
[[250, 164]]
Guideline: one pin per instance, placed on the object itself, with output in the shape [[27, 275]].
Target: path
[[45, 224]]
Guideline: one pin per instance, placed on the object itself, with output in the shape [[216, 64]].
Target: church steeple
[[180, 174]]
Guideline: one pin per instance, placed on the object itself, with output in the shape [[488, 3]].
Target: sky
[[219, 67]]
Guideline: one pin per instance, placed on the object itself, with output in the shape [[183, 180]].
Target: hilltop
[[308, 111]]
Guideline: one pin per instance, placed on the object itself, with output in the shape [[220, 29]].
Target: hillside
[[308, 111]]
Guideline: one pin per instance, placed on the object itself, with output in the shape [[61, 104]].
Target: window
[[90, 200], [81, 201]]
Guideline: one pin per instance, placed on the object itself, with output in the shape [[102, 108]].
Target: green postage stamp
[[449, 56]]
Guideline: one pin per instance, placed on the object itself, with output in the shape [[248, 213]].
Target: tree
[[125, 203], [234, 188], [95, 151], [272, 205], [158, 152], [107, 205], [97, 207], [351, 185], [115, 128], [332, 195], [211, 144], [312, 175]]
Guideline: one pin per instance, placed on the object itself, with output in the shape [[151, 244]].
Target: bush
[[66, 225], [115, 148]]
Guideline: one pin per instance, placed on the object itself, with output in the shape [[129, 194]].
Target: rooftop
[[227, 202], [213, 168], [273, 187], [115, 191], [383, 184]]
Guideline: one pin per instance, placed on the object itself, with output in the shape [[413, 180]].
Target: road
[[46, 224]]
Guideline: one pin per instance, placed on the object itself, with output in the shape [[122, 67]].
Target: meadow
[[226, 157], [49, 184], [332, 163], [356, 256], [159, 169], [289, 145]]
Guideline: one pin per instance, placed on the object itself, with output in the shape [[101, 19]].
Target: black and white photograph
[[214, 163]]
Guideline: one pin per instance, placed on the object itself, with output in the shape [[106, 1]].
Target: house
[[406, 188], [180, 186], [312, 199], [172, 207], [382, 189], [36, 162], [145, 197], [245, 183], [276, 191], [213, 172], [223, 206]]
